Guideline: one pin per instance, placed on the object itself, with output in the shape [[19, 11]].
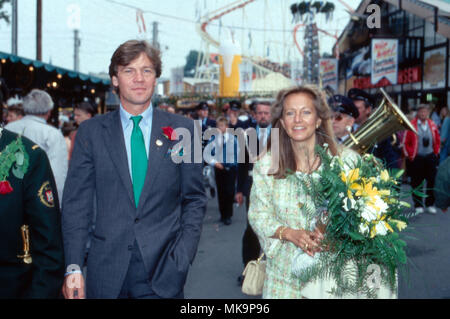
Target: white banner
[[434, 66], [328, 74], [245, 76], [176, 81], [297, 72], [384, 60]]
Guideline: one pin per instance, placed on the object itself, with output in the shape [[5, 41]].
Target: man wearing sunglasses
[[344, 116]]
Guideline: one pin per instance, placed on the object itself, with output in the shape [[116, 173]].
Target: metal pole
[[14, 28], [155, 35], [39, 30], [76, 53]]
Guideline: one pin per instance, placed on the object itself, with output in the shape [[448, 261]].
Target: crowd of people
[[100, 194]]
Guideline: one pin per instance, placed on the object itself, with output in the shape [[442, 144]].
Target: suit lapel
[[159, 145], [115, 144]]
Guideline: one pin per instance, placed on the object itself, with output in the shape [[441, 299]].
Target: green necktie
[[138, 158]]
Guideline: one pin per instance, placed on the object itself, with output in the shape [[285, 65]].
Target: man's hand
[[73, 287], [239, 198], [218, 166]]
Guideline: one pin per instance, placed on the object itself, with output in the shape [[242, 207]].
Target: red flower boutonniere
[[169, 133], [5, 188]]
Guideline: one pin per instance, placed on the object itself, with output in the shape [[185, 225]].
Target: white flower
[[381, 228], [349, 203], [375, 210], [369, 213], [381, 205], [363, 229], [341, 195]]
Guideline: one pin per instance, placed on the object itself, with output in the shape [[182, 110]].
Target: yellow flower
[[367, 190], [399, 224], [352, 176], [388, 227], [373, 232], [385, 192], [384, 175]]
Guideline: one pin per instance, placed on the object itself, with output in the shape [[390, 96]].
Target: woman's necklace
[[312, 166]]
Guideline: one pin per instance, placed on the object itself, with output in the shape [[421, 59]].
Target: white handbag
[[254, 276]]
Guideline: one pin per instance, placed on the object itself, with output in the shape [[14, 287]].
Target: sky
[[263, 27]]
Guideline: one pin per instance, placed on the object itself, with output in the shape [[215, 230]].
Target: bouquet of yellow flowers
[[360, 205]]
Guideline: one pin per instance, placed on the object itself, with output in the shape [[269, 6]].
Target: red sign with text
[[409, 75]]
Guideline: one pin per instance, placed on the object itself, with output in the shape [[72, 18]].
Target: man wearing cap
[[233, 116], [15, 109], [202, 114], [363, 102], [421, 152], [344, 116]]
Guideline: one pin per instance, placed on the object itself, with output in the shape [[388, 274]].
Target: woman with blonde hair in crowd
[[277, 210]]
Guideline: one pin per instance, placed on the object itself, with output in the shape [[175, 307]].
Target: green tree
[[191, 63], [3, 13]]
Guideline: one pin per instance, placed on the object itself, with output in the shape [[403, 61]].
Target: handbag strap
[[260, 258]]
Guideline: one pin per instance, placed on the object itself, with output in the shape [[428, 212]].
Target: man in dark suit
[[149, 209], [202, 115], [250, 244], [31, 247], [206, 123], [233, 116]]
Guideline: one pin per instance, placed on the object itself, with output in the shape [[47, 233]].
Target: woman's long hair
[[324, 134]]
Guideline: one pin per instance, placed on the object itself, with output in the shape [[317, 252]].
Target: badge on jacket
[[46, 195]]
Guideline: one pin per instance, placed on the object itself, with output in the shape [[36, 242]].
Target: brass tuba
[[385, 121]]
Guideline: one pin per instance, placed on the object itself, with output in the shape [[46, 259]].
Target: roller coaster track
[[300, 25]]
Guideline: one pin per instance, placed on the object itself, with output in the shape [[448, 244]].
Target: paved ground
[[218, 262], [429, 256]]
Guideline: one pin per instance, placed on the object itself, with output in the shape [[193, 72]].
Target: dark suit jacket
[[244, 177], [166, 224], [30, 203], [209, 124]]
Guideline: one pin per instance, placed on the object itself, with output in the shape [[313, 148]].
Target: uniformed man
[[344, 115], [31, 249], [208, 173], [363, 102], [234, 118]]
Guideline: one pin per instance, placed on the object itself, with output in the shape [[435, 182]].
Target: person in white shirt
[[38, 106]]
